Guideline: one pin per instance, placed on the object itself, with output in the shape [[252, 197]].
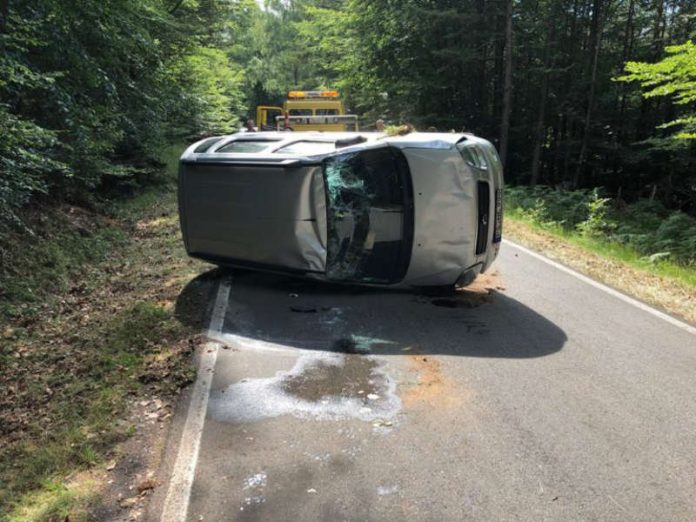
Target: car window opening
[[369, 216], [206, 144], [307, 147], [245, 146], [473, 156]]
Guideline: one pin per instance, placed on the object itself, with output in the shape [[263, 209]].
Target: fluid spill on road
[[354, 378], [432, 390], [323, 385], [478, 293]]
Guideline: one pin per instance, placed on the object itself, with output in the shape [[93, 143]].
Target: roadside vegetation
[[644, 231], [642, 248], [90, 324]]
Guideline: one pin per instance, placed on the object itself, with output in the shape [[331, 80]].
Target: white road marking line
[[638, 304], [258, 345], [176, 503]]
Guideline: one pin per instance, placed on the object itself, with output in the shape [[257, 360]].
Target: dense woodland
[[575, 93]]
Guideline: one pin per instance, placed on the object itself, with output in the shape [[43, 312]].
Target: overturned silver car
[[423, 209]]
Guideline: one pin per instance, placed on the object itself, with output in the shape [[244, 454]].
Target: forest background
[[591, 103]]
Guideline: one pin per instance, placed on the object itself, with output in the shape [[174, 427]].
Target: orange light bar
[[313, 94]]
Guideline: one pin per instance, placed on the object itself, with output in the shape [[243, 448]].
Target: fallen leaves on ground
[[74, 360]]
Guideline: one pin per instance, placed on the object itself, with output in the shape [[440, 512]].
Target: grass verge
[[88, 324], [663, 284]]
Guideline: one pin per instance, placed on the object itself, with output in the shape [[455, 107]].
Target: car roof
[[348, 141]]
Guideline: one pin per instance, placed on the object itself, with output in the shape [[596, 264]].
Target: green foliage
[[302, 44], [26, 164], [54, 502], [596, 224], [646, 226], [55, 253], [673, 76], [211, 89], [324, 43], [91, 90], [553, 207]]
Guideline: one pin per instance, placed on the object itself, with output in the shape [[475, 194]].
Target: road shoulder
[[671, 296]]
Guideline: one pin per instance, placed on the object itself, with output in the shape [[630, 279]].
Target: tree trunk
[[557, 140], [4, 15], [540, 129], [539, 132], [480, 87], [625, 56], [507, 85], [618, 118], [649, 108], [658, 29], [567, 133], [498, 73], [595, 44]]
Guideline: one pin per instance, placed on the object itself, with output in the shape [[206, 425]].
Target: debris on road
[[432, 388], [304, 308], [258, 480], [147, 485]]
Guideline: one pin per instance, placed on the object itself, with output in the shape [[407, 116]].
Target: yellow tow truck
[[307, 111]]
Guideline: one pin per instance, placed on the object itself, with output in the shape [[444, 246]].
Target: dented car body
[[423, 209]]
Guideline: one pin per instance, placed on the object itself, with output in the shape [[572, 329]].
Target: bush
[[547, 206], [26, 165], [646, 226]]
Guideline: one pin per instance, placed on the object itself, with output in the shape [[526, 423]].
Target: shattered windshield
[[369, 216]]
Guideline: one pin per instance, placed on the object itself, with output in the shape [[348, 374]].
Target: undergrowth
[[656, 235]]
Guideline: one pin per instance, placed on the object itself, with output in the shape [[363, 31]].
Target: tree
[[675, 77], [507, 85], [90, 90]]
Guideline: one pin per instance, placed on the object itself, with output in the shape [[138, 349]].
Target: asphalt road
[[546, 400]]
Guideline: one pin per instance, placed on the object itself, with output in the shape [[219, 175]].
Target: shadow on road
[[298, 313]]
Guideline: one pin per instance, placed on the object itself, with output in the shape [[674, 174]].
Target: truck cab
[[307, 111]]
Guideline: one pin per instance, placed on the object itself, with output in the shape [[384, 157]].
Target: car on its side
[[424, 209]]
